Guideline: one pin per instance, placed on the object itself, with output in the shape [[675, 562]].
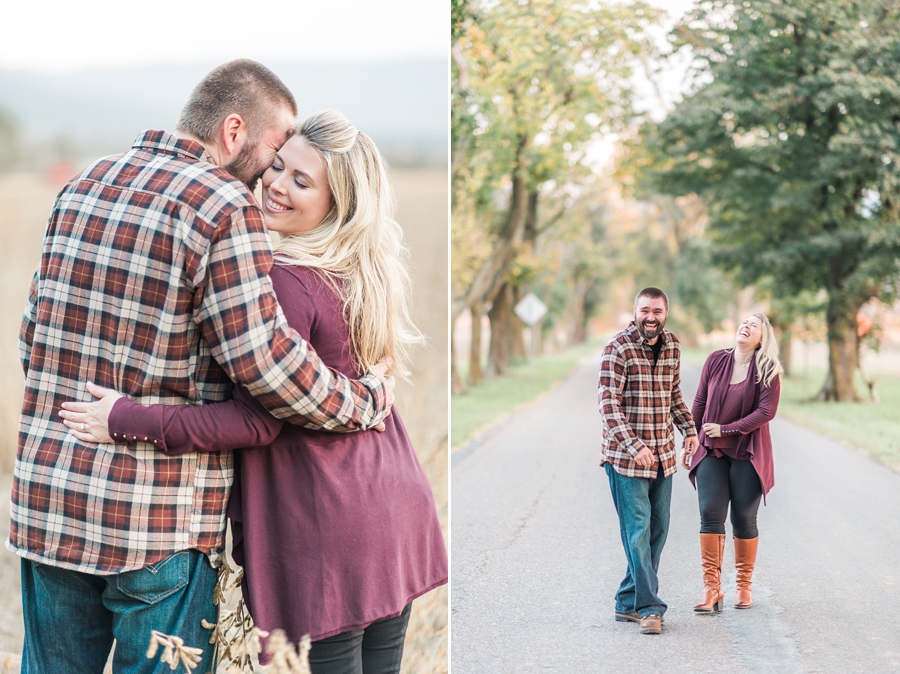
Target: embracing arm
[[609, 395], [763, 414], [231, 424], [239, 317]]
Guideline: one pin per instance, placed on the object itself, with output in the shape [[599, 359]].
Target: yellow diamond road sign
[[530, 309]]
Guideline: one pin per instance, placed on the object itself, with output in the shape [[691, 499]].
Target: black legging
[[377, 649], [720, 480]]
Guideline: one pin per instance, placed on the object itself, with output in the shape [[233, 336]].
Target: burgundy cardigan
[[760, 402]]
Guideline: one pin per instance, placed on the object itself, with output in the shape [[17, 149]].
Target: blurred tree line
[[534, 83], [10, 141], [778, 169], [19, 152]]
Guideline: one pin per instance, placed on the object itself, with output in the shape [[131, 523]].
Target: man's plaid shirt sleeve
[[239, 317], [26, 332], [609, 397]]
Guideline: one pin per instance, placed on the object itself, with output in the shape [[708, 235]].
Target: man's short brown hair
[[242, 87], [653, 293]]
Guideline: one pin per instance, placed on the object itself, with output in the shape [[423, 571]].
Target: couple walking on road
[[727, 449]]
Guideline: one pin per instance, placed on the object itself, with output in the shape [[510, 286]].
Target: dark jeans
[[720, 480], [377, 649], [643, 508], [71, 618]]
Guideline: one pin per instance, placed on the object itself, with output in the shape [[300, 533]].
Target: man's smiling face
[[650, 315]]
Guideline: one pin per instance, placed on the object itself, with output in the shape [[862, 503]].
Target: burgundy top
[[334, 530], [727, 445], [751, 428]]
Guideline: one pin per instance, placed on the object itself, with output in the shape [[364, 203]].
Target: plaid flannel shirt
[[639, 401], [153, 281]]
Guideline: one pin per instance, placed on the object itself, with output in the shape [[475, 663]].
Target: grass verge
[[872, 429], [488, 402]]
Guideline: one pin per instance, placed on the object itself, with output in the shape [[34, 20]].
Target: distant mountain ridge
[[401, 104]]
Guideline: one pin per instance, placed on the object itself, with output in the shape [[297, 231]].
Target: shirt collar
[[166, 143]]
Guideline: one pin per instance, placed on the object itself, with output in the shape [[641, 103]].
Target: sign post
[[530, 309]]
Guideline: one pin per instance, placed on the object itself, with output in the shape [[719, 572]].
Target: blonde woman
[[736, 399], [337, 533]]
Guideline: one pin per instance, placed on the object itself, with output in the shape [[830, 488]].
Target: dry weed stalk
[[285, 659], [235, 637], [174, 651]]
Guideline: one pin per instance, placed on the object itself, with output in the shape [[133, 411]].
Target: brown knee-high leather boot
[[712, 549], [744, 561]]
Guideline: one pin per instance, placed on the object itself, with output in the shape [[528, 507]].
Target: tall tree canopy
[[791, 135], [535, 81]]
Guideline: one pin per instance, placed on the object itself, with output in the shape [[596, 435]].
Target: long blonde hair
[[767, 364], [358, 245]]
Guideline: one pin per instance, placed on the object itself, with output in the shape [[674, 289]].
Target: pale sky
[[656, 100], [64, 35]]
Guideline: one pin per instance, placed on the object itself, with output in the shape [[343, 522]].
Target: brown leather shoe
[[712, 550], [744, 561], [633, 617], [651, 624], [628, 617]]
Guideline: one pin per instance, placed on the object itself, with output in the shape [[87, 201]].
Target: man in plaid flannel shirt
[[153, 281], [639, 396]]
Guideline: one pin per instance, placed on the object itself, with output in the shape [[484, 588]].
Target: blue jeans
[[71, 618], [378, 649], [643, 507]]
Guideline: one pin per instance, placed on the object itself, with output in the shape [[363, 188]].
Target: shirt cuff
[[689, 431], [637, 446], [376, 387], [131, 422]]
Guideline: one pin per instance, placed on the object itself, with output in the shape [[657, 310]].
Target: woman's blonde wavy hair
[[768, 366], [359, 245]]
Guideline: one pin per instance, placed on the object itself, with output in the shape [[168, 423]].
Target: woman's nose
[[278, 185]]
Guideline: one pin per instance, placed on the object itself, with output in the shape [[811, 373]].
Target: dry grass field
[[25, 202]]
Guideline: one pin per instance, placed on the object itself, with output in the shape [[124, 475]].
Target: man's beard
[[245, 166], [647, 333]]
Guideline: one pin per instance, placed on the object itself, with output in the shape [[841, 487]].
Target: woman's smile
[[274, 207]]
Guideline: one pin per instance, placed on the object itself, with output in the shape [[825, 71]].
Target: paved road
[[536, 558]]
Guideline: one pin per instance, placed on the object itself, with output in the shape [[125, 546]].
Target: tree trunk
[[493, 272], [517, 328], [689, 336], [456, 382], [575, 332], [476, 373], [782, 317], [843, 349], [785, 336], [501, 315]]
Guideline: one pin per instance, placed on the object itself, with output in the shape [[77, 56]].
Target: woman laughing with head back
[[736, 399]]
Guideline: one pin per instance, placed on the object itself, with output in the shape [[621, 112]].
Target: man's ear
[[233, 135]]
